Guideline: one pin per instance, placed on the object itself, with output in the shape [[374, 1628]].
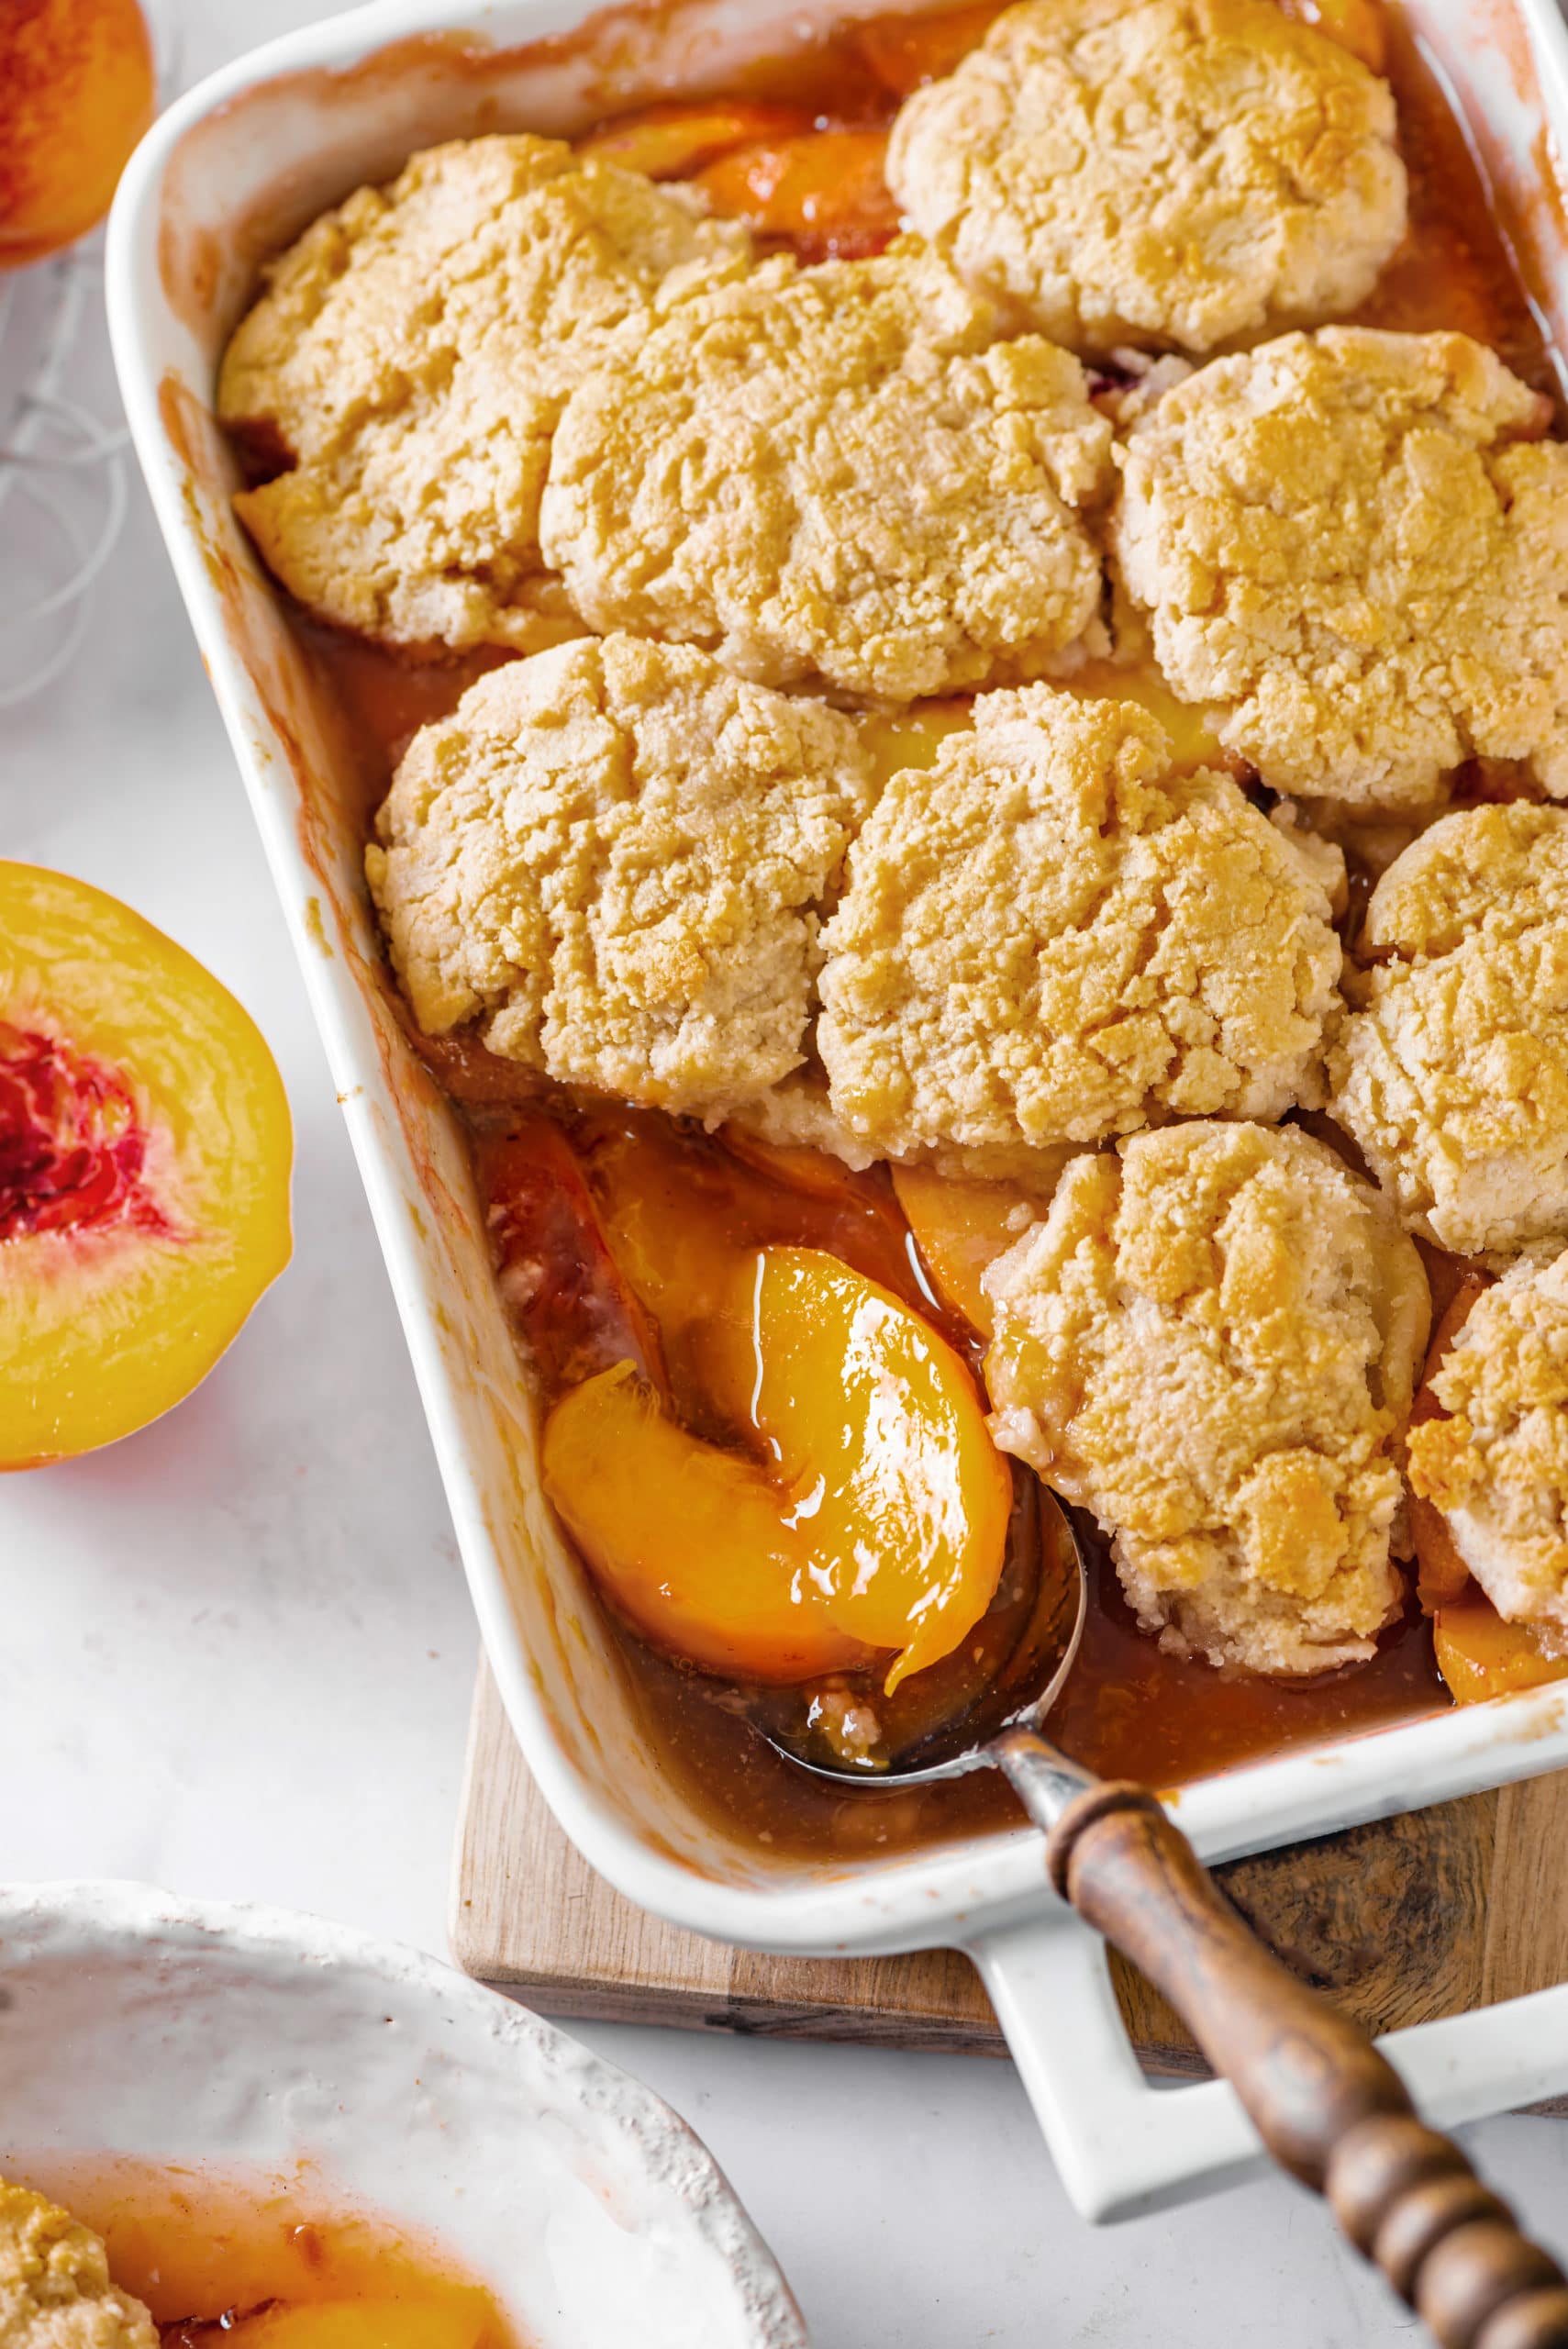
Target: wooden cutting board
[[1413, 1917]]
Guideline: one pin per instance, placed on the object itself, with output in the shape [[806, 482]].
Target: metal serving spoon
[[1327, 2106]]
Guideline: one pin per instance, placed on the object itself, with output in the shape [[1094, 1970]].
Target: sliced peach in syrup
[[825, 192], [144, 1169], [912, 737], [880, 1437], [1480, 1655], [959, 1229], [677, 136], [456, 2320], [691, 1544], [871, 1513], [905, 51], [76, 90]]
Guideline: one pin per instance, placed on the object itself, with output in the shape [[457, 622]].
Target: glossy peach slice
[[880, 1439], [676, 136], [894, 740], [456, 2320], [961, 1228], [144, 1169], [905, 51], [77, 91], [1480, 1655], [825, 193], [691, 1544], [869, 1512]]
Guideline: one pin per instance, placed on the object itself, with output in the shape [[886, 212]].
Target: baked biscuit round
[[840, 473], [1211, 1343], [1182, 171], [1497, 1466], [411, 354], [55, 2291], [1451, 1073], [1049, 937], [1358, 541], [612, 856]]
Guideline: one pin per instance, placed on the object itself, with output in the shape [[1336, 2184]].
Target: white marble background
[[237, 1652]]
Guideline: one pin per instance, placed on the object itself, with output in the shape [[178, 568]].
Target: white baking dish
[[236, 168]]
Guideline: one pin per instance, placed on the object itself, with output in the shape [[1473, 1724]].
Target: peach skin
[[145, 1148], [76, 92]]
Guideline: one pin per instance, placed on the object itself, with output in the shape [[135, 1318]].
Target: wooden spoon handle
[[1325, 2102]]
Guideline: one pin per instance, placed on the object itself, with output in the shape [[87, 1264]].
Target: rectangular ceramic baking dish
[[231, 173]]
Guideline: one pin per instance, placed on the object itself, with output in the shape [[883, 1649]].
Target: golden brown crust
[[1497, 1466], [1451, 1073], [413, 348], [614, 855], [1211, 1342], [55, 2291], [1183, 171], [1353, 539], [843, 472], [1048, 937]]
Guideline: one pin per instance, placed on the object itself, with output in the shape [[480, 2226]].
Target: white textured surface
[[238, 1653]]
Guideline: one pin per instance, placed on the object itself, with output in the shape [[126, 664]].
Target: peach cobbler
[[963, 653]]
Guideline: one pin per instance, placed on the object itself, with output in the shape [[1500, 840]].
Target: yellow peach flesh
[[961, 1228], [106, 1322], [882, 1445], [870, 1516], [457, 2320], [1480, 1655], [688, 1541]]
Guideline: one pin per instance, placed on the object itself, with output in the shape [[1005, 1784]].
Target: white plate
[[364, 2078], [233, 172]]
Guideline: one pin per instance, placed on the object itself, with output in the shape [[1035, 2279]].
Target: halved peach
[[870, 1513], [144, 1169], [76, 92], [961, 1228], [678, 135], [1480, 1655], [825, 192], [456, 2320]]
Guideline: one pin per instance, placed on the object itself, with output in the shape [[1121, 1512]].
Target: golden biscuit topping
[[1452, 1072], [412, 353], [1498, 1467], [1048, 937], [55, 2291], [1356, 541], [613, 856], [843, 472], [1211, 1342], [1185, 171]]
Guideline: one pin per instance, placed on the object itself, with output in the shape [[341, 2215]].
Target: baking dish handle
[[1123, 2143]]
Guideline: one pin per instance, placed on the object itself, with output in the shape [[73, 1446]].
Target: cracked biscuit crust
[[1453, 1072], [1211, 1343], [1498, 1467], [1355, 539], [1187, 172], [55, 2291], [1048, 937], [841, 473], [613, 856], [413, 351]]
